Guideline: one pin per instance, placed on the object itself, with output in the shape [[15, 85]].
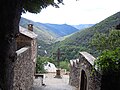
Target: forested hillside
[[80, 41], [43, 34], [48, 33], [59, 30]]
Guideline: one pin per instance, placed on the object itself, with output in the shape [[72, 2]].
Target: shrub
[[109, 61]]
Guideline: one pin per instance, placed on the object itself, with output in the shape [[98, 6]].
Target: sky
[[76, 12]]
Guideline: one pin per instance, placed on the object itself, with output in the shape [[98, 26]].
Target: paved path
[[52, 83]]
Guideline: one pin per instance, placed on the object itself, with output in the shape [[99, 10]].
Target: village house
[[24, 66]]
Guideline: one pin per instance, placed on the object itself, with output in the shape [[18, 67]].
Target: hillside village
[[86, 59], [81, 74]]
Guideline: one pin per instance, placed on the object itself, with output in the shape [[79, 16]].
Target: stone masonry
[[24, 66], [82, 74], [23, 70], [74, 73]]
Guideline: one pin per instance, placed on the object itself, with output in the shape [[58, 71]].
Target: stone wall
[[23, 70], [34, 53], [84, 63], [23, 41], [74, 73]]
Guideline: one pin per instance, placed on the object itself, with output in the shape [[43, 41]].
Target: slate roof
[[27, 33], [88, 57]]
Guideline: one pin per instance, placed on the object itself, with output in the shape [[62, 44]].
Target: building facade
[[24, 66]]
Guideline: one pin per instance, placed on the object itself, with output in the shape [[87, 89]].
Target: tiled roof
[[27, 33]]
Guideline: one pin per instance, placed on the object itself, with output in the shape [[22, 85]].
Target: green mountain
[[59, 30], [43, 34], [48, 33], [79, 41]]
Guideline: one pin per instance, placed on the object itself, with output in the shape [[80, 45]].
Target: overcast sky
[[77, 12]]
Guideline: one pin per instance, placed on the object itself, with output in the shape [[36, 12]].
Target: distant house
[[24, 66], [50, 67]]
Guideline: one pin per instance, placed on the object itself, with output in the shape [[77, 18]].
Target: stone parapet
[[23, 70]]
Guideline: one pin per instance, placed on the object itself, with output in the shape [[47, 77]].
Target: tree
[[40, 63], [108, 45], [64, 65], [109, 64], [101, 41], [10, 15]]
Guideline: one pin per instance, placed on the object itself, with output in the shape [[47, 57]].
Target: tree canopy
[[35, 6], [102, 41]]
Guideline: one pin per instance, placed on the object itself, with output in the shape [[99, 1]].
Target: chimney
[[30, 27]]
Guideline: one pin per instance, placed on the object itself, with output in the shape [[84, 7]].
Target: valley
[[69, 39]]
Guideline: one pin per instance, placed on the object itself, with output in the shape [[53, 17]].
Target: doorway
[[83, 84]]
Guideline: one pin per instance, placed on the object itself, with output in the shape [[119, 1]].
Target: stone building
[[28, 38], [24, 66], [82, 75]]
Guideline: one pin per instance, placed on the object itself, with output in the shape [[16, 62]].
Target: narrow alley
[[51, 83]]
